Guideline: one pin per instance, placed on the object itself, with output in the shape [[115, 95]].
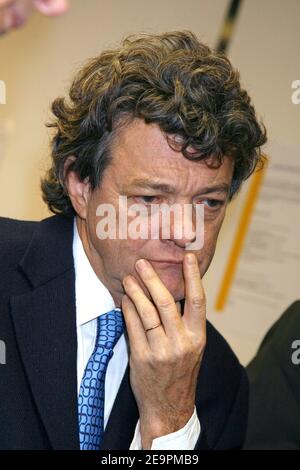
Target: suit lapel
[[45, 326], [121, 425]]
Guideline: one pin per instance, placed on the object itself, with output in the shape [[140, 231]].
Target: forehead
[[141, 152]]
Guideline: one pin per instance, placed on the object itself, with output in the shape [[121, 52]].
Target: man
[[14, 13], [160, 122]]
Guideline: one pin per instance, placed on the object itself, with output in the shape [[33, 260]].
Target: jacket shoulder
[[284, 330], [15, 236]]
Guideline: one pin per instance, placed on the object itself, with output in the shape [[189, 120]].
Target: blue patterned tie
[[91, 395]]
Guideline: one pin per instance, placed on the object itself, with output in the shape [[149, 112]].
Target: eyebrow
[[167, 188]]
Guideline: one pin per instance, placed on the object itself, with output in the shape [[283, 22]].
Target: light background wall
[[38, 61]]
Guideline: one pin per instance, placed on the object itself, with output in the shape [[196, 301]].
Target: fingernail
[[128, 280], [141, 265], [190, 259]]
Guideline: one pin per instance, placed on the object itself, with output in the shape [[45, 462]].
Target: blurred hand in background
[[14, 13]]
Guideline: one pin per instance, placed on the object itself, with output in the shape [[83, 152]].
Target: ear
[[78, 190]]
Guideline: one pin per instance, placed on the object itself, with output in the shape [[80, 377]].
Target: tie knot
[[110, 328]]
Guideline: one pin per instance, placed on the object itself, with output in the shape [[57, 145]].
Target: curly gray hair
[[172, 80]]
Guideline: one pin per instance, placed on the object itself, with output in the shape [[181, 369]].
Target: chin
[[175, 285], [178, 297]]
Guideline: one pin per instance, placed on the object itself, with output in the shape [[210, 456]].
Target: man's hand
[[14, 13], [165, 360]]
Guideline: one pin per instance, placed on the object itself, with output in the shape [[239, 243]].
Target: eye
[[212, 203], [146, 199]]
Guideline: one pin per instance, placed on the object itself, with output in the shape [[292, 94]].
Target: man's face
[[146, 169]]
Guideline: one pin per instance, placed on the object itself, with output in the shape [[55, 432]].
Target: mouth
[[166, 262]]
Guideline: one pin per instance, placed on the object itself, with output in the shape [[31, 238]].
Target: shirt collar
[[92, 297]]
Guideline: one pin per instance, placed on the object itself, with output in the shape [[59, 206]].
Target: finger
[[136, 334], [51, 7], [11, 16], [195, 302], [147, 312], [162, 298], [5, 22], [14, 14], [178, 306], [6, 3]]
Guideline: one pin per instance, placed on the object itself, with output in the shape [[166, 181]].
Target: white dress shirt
[[92, 300]]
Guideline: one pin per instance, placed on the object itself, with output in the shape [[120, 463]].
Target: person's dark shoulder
[[275, 351], [284, 330], [14, 229], [15, 236], [275, 387]]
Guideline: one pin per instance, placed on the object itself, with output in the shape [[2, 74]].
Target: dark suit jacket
[[274, 410], [38, 384]]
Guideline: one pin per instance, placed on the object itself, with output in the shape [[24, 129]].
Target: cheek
[[212, 228], [121, 255], [211, 233]]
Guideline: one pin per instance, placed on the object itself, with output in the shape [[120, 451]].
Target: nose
[[179, 223]]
